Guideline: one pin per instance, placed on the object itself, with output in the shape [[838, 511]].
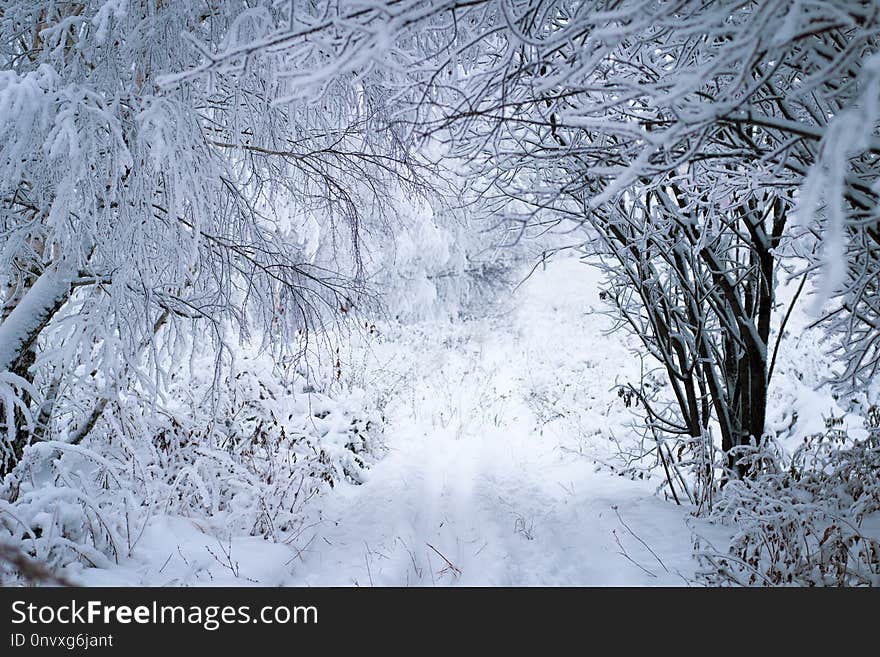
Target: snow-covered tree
[[128, 209]]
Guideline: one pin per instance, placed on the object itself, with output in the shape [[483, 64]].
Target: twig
[[647, 547], [451, 565], [624, 554], [32, 571], [367, 561]]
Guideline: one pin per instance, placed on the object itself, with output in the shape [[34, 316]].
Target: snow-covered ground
[[500, 468]]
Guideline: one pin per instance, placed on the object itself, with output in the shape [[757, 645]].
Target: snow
[[212, 197], [498, 432]]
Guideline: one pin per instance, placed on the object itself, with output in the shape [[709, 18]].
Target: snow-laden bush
[[812, 519], [245, 460]]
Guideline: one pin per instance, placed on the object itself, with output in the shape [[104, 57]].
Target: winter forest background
[[423, 292]]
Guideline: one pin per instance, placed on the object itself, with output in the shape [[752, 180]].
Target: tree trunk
[[18, 336]]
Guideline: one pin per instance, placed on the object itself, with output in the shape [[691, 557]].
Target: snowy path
[[490, 477], [496, 429]]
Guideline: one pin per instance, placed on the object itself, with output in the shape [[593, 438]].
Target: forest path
[[502, 434], [496, 432]]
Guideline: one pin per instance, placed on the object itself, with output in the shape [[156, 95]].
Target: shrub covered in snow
[[244, 460], [811, 520]]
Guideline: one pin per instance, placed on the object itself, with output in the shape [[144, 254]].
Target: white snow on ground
[[500, 436]]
